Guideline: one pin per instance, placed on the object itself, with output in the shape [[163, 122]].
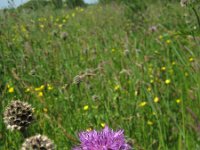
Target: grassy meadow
[[99, 65]]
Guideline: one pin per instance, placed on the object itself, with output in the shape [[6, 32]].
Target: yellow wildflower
[[45, 110], [151, 81], [163, 68], [178, 101], [156, 99], [49, 87], [86, 107], [150, 123], [186, 74], [103, 125], [191, 59], [10, 90], [27, 90], [39, 88], [142, 104], [173, 63], [113, 50], [149, 89], [117, 87], [154, 113], [168, 41], [8, 85], [88, 129], [167, 81], [23, 29], [160, 37], [40, 94]]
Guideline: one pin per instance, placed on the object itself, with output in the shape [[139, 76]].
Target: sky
[[4, 3]]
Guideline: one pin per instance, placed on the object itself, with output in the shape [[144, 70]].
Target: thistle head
[[18, 115], [64, 35], [183, 3], [77, 79], [38, 142]]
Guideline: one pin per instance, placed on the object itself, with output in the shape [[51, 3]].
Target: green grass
[[124, 64]]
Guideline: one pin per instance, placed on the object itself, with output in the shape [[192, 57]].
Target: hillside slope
[[90, 67]]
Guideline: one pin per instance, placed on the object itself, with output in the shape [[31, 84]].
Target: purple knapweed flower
[[107, 139]]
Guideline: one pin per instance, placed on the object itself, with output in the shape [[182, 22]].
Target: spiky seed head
[[18, 115], [88, 71], [153, 29], [95, 97], [126, 52], [64, 35], [54, 33], [184, 2], [77, 79], [38, 142]]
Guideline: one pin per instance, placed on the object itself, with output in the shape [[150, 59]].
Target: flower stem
[[197, 16]]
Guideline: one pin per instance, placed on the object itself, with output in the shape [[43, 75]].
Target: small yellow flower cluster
[[39, 90], [49, 87], [10, 89]]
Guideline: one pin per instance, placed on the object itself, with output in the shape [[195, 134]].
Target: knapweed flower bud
[[18, 115]]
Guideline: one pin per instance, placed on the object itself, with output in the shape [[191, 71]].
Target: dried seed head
[[184, 2], [18, 115], [54, 33], [77, 79], [95, 97], [64, 35], [153, 29], [88, 71], [38, 142], [126, 52]]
